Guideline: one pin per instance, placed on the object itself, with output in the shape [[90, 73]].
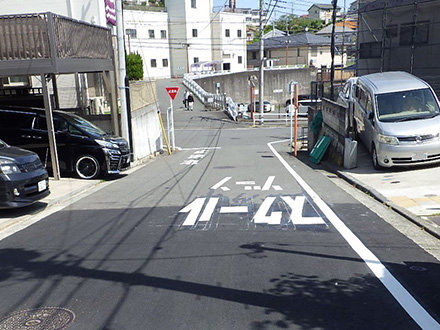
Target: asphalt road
[[228, 232]]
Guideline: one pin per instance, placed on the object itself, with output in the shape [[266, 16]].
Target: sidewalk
[[412, 192]]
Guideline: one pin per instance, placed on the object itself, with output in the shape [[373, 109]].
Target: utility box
[[350, 153]]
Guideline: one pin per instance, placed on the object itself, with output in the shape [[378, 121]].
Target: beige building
[[323, 12]]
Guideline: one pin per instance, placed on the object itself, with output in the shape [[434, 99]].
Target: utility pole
[[122, 71], [332, 51], [261, 77]]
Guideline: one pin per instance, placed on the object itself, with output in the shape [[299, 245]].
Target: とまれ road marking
[[397, 290], [248, 185]]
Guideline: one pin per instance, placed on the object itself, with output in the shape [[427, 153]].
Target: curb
[[426, 226]]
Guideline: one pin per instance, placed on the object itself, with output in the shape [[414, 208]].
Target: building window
[[227, 33], [254, 55], [151, 34], [163, 34], [239, 33], [196, 60], [153, 63], [132, 33], [194, 33], [240, 59], [370, 50], [14, 81], [314, 51], [391, 31], [298, 52], [414, 34], [193, 4], [165, 63]]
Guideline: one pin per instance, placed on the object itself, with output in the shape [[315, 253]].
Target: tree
[[135, 66], [295, 24]]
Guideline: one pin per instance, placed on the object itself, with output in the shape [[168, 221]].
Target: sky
[[300, 7]]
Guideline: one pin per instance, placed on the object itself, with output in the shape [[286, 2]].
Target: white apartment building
[[229, 41], [146, 33], [189, 23]]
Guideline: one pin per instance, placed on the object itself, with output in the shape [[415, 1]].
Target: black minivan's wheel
[[87, 167], [374, 159]]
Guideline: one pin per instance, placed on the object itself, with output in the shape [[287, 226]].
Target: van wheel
[[87, 167], [374, 159]]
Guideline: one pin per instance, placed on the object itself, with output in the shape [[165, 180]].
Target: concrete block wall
[[335, 125]]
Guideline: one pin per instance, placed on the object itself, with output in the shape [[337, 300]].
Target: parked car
[[267, 107], [397, 117], [82, 147], [23, 179], [304, 102], [345, 96]]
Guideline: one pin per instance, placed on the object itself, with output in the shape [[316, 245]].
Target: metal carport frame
[[46, 44]]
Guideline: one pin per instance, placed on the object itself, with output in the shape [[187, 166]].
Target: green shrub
[[135, 67]]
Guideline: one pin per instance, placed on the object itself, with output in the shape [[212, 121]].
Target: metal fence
[[29, 36], [212, 101]]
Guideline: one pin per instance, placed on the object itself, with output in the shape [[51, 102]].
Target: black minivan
[[82, 147], [23, 179]]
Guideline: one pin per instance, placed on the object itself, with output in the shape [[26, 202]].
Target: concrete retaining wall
[[236, 85]]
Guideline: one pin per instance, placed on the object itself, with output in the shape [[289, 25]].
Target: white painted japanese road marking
[[209, 209], [297, 205], [261, 216], [221, 183], [234, 209], [194, 210], [268, 183], [245, 182], [402, 296]]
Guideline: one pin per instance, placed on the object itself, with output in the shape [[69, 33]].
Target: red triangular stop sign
[[172, 92]]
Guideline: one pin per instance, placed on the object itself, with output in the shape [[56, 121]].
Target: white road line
[[277, 188], [261, 216], [403, 297], [191, 149], [297, 206], [268, 183], [194, 210], [234, 209], [245, 182], [221, 183], [209, 209]]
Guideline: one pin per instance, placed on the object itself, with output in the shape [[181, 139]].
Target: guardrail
[[211, 101]]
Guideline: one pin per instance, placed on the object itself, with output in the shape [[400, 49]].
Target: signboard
[[172, 92], [110, 12]]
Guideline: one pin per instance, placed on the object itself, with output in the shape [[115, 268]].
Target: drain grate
[[44, 318]]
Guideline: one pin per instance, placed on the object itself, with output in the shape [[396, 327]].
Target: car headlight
[[107, 144], [386, 139], [8, 167]]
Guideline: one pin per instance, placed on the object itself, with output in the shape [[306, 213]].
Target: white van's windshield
[[406, 105], [86, 126]]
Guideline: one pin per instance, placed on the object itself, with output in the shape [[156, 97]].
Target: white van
[[396, 115]]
